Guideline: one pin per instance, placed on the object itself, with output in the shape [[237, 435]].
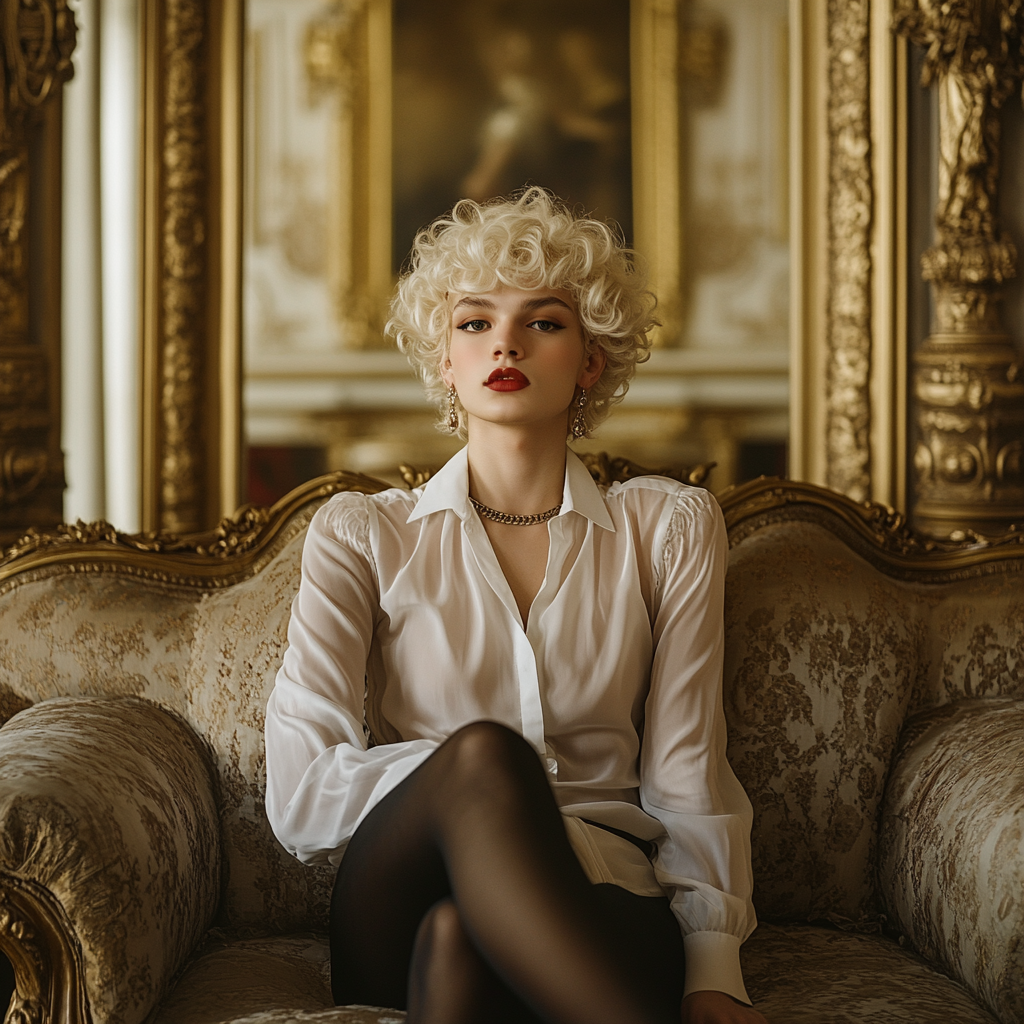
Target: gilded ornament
[[967, 382], [848, 409], [37, 938], [182, 337], [38, 37]]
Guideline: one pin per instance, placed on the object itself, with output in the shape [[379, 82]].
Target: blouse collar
[[448, 488]]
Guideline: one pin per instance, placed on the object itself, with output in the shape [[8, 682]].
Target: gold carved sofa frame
[[874, 687]]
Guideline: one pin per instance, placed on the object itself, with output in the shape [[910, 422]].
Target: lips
[[506, 378]]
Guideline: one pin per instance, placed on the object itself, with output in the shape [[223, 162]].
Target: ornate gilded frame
[[848, 404], [35, 60], [191, 256]]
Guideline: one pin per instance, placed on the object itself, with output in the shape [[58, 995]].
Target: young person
[[500, 709]]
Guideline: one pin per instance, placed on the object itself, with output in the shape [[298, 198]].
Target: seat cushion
[[796, 975]]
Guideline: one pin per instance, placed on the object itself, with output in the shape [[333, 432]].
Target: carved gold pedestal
[[969, 458]]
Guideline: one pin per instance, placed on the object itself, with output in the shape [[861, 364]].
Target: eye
[[473, 326], [546, 326]]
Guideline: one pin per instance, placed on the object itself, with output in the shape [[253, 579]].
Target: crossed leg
[[460, 897]]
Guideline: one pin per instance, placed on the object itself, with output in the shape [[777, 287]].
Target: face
[[518, 357]]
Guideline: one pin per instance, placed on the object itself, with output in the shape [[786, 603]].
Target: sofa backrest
[[834, 636], [827, 653]]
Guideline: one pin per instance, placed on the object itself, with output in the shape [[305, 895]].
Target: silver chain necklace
[[510, 520]]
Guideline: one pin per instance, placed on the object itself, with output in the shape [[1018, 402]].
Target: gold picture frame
[[192, 416]]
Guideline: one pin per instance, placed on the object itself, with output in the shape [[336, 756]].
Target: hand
[[708, 1007]]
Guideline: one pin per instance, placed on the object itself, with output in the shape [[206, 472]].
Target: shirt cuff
[[713, 964]]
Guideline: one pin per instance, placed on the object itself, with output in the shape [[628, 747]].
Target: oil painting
[[490, 97]]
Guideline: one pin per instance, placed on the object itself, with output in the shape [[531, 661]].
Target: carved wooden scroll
[[37, 937], [968, 379], [38, 37]]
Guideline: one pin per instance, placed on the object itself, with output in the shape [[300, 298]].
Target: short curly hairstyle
[[528, 240]]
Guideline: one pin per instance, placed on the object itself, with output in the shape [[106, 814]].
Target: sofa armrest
[[109, 856], [951, 859]]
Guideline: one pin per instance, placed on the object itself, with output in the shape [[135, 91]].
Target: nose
[[505, 343]]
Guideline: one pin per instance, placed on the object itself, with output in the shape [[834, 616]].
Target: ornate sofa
[[875, 694]]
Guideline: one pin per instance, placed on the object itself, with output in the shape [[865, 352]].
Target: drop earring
[[453, 416], [579, 423]]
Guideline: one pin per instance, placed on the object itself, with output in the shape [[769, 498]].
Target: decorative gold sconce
[[968, 380]]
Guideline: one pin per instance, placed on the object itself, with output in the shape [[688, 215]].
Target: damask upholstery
[[951, 862], [108, 804], [840, 675], [797, 975]]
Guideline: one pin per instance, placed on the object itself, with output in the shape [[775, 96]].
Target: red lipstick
[[506, 378]]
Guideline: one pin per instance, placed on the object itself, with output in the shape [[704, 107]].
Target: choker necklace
[[510, 520]]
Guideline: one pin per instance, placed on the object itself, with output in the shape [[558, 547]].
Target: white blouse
[[402, 601]]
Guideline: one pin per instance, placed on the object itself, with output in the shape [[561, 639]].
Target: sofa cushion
[[795, 974], [952, 851], [801, 975]]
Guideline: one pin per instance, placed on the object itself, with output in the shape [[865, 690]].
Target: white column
[[82, 355], [120, 97]]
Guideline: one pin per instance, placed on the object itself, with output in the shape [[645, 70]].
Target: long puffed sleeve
[[321, 778], [686, 782]]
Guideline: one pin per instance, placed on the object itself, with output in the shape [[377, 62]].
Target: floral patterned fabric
[[796, 975], [826, 659], [108, 805], [952, 850]]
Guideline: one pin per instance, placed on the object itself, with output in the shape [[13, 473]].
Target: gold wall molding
[[968, 381], [848, 361], [657, 119], [191, 253], [848, 403], [37, 42], [347, 51]]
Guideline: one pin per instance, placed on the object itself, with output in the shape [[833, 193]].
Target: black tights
[[460, 898]]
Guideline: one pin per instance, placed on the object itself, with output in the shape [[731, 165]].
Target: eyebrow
[[530, 304]]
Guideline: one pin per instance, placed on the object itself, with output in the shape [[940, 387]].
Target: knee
[[489, 750], [441, 933]]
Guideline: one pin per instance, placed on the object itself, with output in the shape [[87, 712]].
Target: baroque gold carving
[[37, 938], [877, 532], [603, 469], [968, 381], [242, 544], [328, 47], [235, 549], [607, 471], [38, 37], [13, 207], [183, 265], [848, 410]]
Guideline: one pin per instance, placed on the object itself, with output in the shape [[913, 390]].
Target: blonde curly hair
[[529, 240]]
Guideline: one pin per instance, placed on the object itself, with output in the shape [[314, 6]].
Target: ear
[[445, 369], [593, 367]]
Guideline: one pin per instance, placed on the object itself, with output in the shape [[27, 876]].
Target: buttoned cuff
[[713, 964]]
